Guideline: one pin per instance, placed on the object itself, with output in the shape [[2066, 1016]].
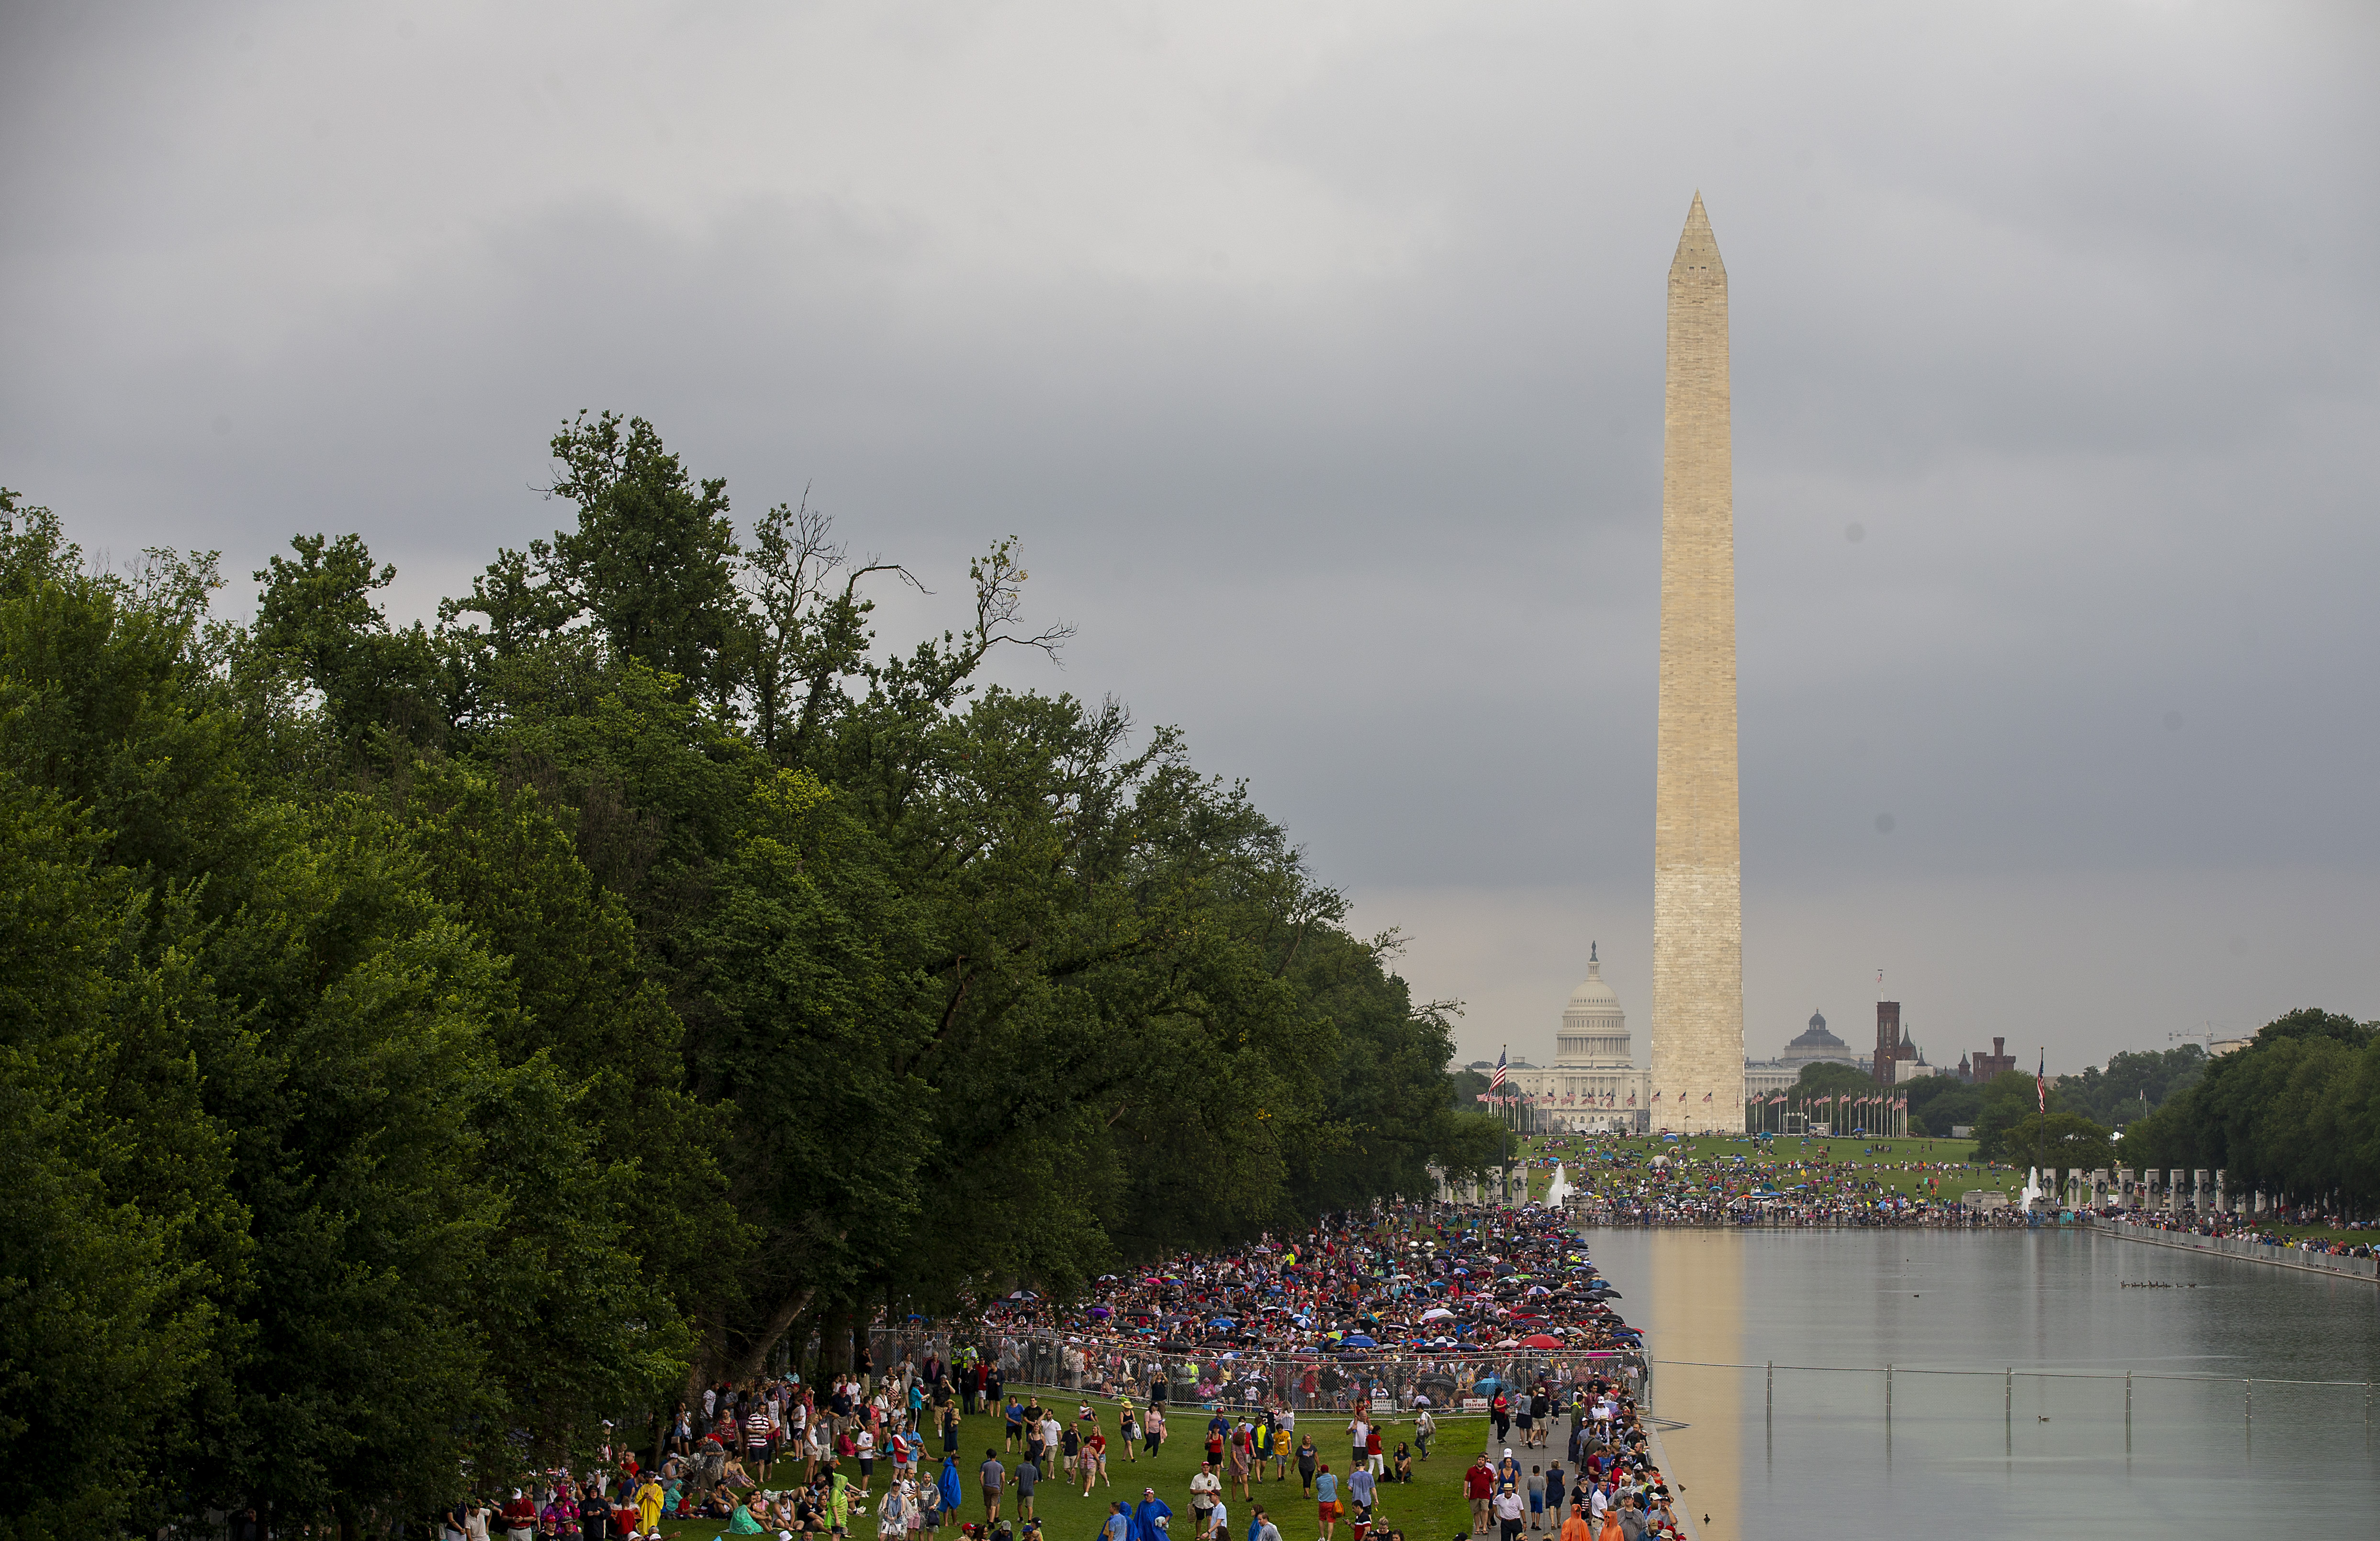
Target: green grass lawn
[[1431, 1508]]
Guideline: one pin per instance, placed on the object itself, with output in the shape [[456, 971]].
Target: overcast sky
[[1314, 352]]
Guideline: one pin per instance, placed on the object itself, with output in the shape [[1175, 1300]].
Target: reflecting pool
[[1835, 1452]]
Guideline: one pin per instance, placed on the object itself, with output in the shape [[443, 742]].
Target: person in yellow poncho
[[649, 1502], [838, 1487]]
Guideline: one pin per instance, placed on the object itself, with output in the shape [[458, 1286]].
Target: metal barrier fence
[[2009, 1374], [1452, 1380]]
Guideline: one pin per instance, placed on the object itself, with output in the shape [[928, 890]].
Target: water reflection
[[1993, 1448], [1697, 1276]]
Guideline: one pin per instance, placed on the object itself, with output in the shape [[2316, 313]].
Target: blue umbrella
[[1224, 1322], [1357, 1339]]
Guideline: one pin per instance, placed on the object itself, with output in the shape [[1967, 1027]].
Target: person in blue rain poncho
[[946, 1490], [1149, 1521]]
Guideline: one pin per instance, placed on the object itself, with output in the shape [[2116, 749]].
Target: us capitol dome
[[1593, 1082]]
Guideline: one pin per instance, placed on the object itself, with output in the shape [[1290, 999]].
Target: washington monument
[[1697, 1073]]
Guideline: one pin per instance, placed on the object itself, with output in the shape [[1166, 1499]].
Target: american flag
[[2041, 1082], [1495, 1082]]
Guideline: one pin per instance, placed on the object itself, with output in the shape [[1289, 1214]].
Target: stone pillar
[[2173, 1191], [2124, 1195], [2202, 1195], [2099, 1187], [2222, 1193]]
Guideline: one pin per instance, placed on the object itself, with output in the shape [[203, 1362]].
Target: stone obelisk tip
[[1697, 247]]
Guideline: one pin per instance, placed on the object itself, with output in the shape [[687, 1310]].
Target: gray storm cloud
[[1316, 357]]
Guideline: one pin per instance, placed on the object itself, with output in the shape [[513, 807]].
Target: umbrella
[[1223, 1322], [1437, 1313], [1358, 1340], [1541, 1341], [1099, 1312]]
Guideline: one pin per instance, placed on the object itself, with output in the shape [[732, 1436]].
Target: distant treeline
[[423, 1044], [2296, 1113]]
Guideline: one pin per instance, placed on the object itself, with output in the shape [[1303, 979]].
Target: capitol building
[[1593, 1082]]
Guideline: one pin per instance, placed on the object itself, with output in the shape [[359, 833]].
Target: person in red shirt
[[1478, 1484], [520, 1517]]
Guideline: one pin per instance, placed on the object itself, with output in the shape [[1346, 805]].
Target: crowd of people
[[1417, 1306], [1474, 1310], [1801, 1182], [2258, 1228]]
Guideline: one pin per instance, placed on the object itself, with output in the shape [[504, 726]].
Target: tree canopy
[[2295, 1113], [426, 1042]]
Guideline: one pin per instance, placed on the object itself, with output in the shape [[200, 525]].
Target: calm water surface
[[1822, 1458]]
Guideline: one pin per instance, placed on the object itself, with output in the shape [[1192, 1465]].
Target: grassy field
[[1431, 1508]]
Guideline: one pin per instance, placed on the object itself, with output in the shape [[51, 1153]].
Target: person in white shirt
[[1205, 1490]]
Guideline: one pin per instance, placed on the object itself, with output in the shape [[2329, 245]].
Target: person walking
[[992, 1477], [1205, 1488], [1479, 1487], [1326, 1499], [1149, 1517], [1028, 1477], [1425, 1428], [1511, 1511], [1306, 1458]]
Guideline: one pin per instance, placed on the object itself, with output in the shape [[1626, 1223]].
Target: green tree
[[2133, 1083], [651, 565], [1938, 1104], [118, 1244], [2056, 1142], [2008, 1099]]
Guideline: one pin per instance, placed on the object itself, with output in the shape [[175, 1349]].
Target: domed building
[[1593, 1082], [1813, 1046]]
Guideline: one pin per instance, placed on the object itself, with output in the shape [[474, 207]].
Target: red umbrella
[[1541, 1341]]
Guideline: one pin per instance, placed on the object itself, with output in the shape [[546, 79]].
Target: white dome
[[1593, 994]]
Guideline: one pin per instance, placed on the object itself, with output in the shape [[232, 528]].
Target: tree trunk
[[756, 1357]]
